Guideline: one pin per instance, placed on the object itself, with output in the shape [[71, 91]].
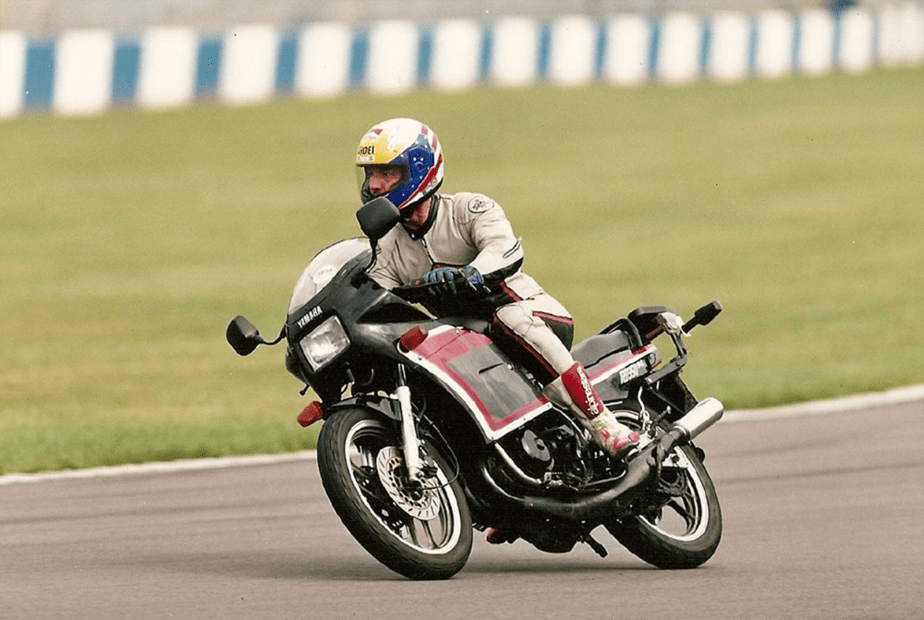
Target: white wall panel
[[248, 66], [167, 71], [856, 48], [729, 47], [680, 48], [816, 43], [456, 55], [628, 51], [392, 61], [323, 66], [573, 51], [515, 51], [911, 32], [12, 72], [83, 72], [775, 39]]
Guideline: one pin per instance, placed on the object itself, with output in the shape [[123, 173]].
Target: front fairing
[[334, 288], [322, 269]]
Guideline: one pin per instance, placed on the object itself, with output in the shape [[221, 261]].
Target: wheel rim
[[685, 516], [427, 519]]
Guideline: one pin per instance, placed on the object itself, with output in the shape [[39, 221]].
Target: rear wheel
[[682, 526], [421, 531]]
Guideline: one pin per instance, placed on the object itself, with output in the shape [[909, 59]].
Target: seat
[[596, 349]]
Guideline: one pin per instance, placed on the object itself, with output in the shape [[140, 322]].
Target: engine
[[551, 451]]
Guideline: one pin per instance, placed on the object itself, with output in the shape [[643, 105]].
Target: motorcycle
[[432, 430]]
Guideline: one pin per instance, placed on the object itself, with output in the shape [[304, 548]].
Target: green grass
[[128, 241]]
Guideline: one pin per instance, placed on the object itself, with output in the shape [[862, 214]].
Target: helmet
[[406, 143]]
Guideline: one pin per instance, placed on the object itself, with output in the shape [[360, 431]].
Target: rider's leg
[[566, 381], [547, 355], [573, 389]]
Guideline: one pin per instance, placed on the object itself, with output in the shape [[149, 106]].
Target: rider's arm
[[500, 253]]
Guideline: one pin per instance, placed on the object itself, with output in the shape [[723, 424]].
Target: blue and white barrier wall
[[90, 71]]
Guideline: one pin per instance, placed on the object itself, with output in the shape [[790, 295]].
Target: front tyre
[[682, 527], [422, 531]]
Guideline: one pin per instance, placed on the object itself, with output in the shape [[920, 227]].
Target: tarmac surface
[[823, 511]]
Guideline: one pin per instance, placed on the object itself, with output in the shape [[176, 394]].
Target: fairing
[[498, 395], [323, 267]]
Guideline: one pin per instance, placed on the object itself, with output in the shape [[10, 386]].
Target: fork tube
[[408, 427]]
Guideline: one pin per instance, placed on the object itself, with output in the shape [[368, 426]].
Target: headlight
[[324, 343]]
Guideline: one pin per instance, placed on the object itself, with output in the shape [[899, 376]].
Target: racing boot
[[574, 391]]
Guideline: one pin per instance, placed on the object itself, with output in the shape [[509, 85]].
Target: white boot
[[573, 390]]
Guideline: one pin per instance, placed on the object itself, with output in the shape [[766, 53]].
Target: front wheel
[[421, 531], [682, 526]]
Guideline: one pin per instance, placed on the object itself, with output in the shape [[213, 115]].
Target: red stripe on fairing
[[446, 346], [442, 348]]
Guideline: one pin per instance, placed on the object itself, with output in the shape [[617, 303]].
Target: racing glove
[[452, 281]]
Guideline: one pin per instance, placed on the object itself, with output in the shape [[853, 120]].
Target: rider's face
[[383, 179]]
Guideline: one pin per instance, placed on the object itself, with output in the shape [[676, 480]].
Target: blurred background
[[50, 16], [166, 165]]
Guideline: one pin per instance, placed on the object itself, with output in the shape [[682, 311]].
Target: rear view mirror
[[377, 217], [243, 336]]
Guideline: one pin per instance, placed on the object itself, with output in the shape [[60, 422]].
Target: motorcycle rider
[[462, 246]]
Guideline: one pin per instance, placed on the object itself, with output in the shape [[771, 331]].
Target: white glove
[[670, 322]]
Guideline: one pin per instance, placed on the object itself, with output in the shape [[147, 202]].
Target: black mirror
[[377, 217], [243, 336]]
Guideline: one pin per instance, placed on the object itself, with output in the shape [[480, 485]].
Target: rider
[[463, 246]]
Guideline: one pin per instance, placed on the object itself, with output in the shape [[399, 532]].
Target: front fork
[[409, 440]]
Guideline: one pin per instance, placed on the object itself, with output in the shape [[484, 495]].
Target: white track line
[[836, 405]]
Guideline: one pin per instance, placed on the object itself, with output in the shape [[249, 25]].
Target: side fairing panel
[[495, 391], [481, 377]]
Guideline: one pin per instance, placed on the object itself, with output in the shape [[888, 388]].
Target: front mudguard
[[387, 407]]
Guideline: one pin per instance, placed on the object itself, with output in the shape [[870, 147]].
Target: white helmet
[[406, 143]]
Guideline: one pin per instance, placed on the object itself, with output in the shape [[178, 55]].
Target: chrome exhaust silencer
[[706, 413]]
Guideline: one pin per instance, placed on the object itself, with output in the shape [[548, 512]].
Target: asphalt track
[[823, 508]]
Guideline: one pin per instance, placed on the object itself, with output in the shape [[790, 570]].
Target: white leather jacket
[[463, 229]]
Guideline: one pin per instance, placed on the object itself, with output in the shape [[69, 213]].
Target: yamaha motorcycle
[[432, 430]]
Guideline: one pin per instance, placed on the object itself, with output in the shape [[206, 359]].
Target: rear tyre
[[686, 530], [422, 532]]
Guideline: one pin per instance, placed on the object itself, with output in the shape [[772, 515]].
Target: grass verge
[[128, 241]]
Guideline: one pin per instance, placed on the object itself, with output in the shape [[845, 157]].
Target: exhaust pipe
[[641, 472], [706, 413]]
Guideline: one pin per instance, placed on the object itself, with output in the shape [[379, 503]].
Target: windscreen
[[323, 267]]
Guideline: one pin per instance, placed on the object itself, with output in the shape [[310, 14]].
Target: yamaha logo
[[310, 316]]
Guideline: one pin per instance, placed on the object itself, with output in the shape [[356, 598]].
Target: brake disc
[[417, 501]]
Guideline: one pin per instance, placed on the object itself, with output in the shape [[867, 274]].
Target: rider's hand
[[451, 280]]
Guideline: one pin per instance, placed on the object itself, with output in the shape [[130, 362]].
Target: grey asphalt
[[824, 518]]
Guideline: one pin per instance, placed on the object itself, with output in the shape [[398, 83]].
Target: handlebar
[[413, 293], [703, 316]]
